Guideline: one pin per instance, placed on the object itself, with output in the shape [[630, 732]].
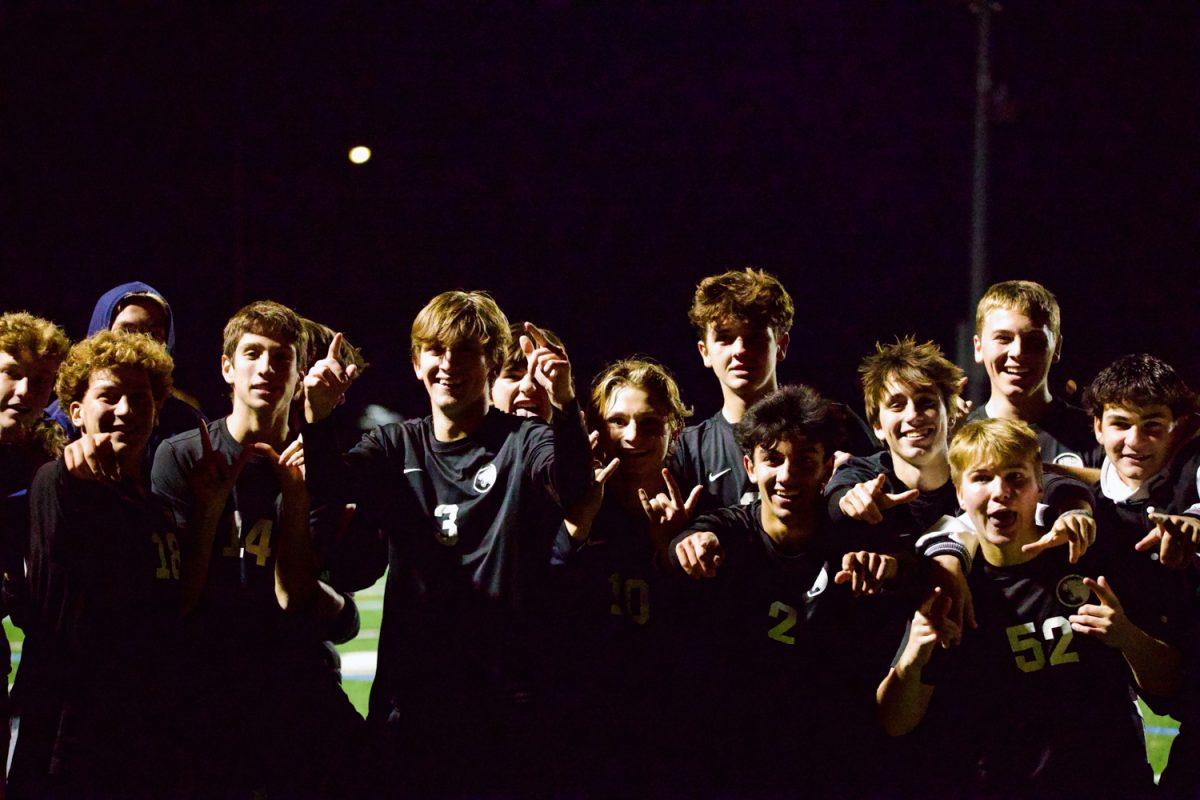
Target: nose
[[1014, 347], [527, 387], [122, 408], [1001, 489], [739, 345], [1136, 435], [784, 472], [22, 388]]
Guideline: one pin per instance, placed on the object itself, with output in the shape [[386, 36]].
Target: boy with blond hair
[[471, 499], [1018, 338], [1038, 700]]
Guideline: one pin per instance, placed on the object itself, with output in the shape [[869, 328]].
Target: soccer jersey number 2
[[1027, 647]]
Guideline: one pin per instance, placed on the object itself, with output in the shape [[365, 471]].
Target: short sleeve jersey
[[240, 588]]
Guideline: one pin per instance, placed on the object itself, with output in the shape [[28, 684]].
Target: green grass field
[[357, 681]]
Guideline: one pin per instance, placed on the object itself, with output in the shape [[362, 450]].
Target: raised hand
[[91, 458], [1074, 529], [213, 476], [866, 572], [579, 518], [1105, 620], [1176, 535], [326, 383], [288, 467], [700, 554], [668, 512], [548, 365], [867, 501], [931, 626]]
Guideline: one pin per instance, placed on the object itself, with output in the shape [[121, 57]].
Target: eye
[[653, 426]]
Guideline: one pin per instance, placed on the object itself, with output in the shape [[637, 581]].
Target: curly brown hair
[[108, 350], [752, 296]]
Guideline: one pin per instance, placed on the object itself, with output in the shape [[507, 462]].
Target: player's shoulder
[[860, 468]]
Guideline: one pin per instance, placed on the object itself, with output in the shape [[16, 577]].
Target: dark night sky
[[588, 163]]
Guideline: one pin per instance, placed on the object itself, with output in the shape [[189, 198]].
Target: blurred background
[[588, 163]]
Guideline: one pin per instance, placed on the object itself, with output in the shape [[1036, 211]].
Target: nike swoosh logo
[[413, 469], [714, 476]]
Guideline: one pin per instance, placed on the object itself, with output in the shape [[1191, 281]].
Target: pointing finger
[[608, 470], [335, 347]]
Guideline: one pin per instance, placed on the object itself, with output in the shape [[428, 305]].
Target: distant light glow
[[360, 154]]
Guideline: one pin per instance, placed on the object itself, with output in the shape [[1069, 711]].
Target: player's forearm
[[902, 699], [571, 472], [296, 563], [1157, 667]]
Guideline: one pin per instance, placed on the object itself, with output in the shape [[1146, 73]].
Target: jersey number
[[1028, 650], [447, 513], [168, 556], [631, 598], [780, 632], [258, 540]]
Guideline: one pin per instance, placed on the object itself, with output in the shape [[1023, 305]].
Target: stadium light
[[360, 154]]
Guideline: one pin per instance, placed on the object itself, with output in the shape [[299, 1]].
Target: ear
[[827, 473], [416, 368], [748, 463], [702, 346], [227, 369], [1057, 349], [781, 346], [958, 493], [978, 349], [1096, 429], [75, 411]]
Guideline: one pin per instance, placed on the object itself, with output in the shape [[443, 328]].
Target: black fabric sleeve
[[563, 466], [855, 471]]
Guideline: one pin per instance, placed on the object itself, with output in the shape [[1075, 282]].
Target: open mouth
[[1003, 518]]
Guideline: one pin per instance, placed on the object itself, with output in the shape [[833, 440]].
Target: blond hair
[[647, 375], [23, 333], [455, 317], [996, 442], [1031, 299]]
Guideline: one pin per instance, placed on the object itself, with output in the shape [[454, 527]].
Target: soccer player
[[31, 349], [101, 668], [251, 582], [471, 499], [1037, 701], [613, 548], [137, 307], [799, 629], [1018, 338], [743, 319], [1148, 494]]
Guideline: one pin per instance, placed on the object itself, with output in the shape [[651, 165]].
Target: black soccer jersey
[[708, 455], [1030, 707], [470, 525], [100, 666], [797, 658], [1064, 433]]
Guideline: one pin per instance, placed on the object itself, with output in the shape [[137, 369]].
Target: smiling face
[[1136, 440], [1001, 501], [120, 402], [515, 392], [789, 474], [1017, 353], [636, 431], [743, 357], [262, 372], [913, 423], [455, 375], [25, 385]]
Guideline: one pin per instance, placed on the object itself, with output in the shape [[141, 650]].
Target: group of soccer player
[[585, 596]]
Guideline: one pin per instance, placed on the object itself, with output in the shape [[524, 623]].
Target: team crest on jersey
[[1072, 592], [819, 584], [485, 478], [1068, 460]]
